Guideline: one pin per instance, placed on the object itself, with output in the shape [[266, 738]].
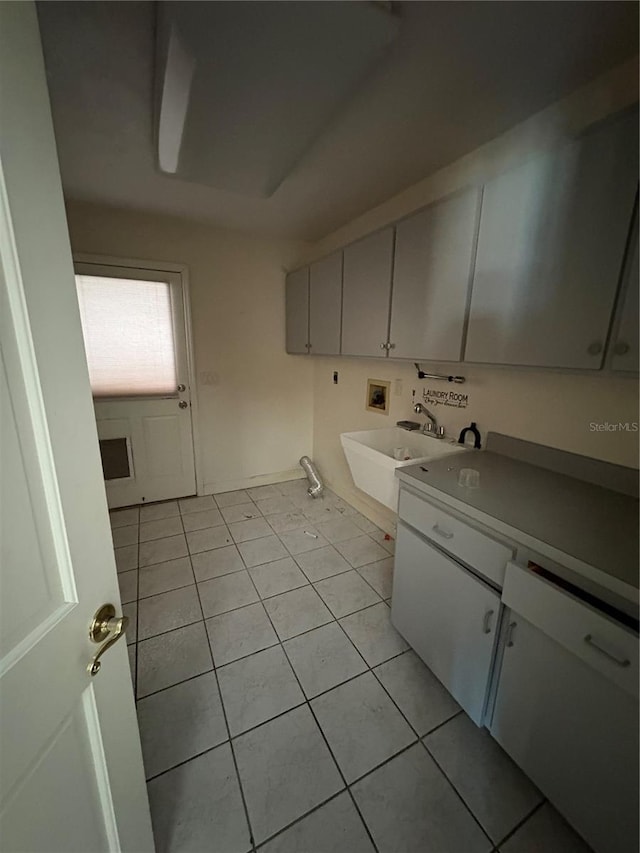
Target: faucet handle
[[440, 432], [428, 427]]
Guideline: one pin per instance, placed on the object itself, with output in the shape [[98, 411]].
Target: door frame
[[183, 271]]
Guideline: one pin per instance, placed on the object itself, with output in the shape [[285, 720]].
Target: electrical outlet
[[208, 377]]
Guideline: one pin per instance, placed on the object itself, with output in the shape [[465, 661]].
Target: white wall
[[542, 406], [255, 420]]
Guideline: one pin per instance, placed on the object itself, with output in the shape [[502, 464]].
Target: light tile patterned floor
[[279, 710]]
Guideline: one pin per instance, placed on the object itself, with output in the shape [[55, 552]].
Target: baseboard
[[379, 514], [219, 486]]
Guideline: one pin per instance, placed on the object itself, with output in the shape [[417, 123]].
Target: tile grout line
[[319, 727], [302, 817], [175, 683], [278, 641], [457, 793], [369, 668], [351, 612], [308, 704], [191, 757], [260, 600], [312, 712], [226, 721], [417, 739], [359, 779], [307, 581], [306, 700], [521, 823]]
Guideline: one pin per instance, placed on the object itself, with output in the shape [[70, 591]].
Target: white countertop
[[587, 528]]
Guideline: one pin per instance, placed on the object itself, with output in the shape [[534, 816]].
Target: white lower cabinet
[[448, 616], [574, 732], [560, 690]]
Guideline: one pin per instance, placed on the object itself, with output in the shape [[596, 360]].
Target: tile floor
[[279, 710]]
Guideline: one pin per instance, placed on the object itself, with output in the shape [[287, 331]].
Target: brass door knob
[[105, 627]]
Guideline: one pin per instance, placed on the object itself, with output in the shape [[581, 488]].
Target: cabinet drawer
[[476, 549], [599, 641]]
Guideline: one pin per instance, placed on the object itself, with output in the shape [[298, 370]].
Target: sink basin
[[370, 454]]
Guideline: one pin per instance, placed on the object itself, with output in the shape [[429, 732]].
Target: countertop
[[593, 528]]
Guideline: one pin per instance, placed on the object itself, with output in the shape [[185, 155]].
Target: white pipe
[[315, 483]]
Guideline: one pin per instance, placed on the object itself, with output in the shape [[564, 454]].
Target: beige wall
[[555, 409], [541, 406], [255, 420], [264, 407]]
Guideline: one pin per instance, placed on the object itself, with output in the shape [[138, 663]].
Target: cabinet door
[[431, 277], [297, 310], [624, 344], [574, 733], [550, 248], [448, 616], [365, 295], [325, 306]]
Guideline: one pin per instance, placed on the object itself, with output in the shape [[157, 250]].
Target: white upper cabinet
[[365, 295], [624, 343], [325, 305], [431, 278], [550, 248], [297, 308]]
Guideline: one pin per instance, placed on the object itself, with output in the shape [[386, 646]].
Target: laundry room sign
[[445, 397]]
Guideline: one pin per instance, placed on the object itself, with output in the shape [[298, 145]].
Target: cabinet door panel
[[550, 248], [624, 345], [297, 311], [325, 306], [448, 616], [365, 294], [432, 266], [574, 733]]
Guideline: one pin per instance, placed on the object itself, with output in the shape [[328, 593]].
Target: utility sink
[[371, 455]]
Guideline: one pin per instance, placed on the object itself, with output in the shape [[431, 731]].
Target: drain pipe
[[316, 486]]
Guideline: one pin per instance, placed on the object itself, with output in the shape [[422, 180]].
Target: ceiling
[[456, 75]]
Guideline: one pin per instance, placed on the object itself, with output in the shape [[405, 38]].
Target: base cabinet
[[573, 732], [448, 616]]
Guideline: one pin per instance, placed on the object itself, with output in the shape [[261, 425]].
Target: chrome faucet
[[431, 425]]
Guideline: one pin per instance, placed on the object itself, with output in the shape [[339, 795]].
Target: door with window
[[134, 327]]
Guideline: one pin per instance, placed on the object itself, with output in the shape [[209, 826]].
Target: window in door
[[128, 333]]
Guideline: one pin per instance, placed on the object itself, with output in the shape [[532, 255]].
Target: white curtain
[[128, 336]]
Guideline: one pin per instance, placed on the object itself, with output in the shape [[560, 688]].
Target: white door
[[448, 616], [133, 319], [72, 776]]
